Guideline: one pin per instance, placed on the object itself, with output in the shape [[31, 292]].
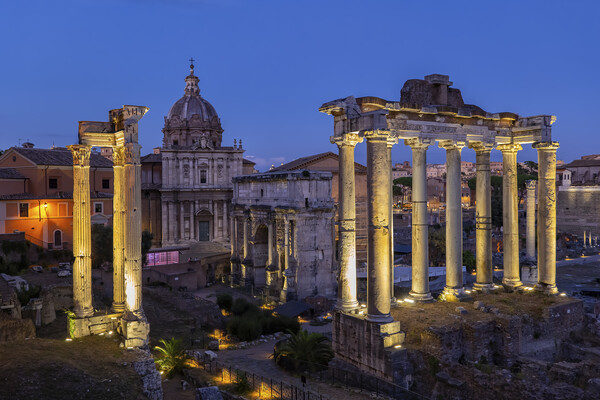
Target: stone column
[[192, 221], [270, 244], [245, 240], [133, 230], [420, 224], [346, 300], [584, 237], [172, 221], [546, 216], [181, 221], [483, 218], [390, 143], [286, 261], [82, 232], [165, 222], [531, 188], [225, 219], [378, 253], [454, 277], [118, 230], [510, 216]]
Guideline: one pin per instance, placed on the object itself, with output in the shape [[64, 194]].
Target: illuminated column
[[546, 216], [119, 230], [483, 218], [531, 188], [346, 300], [270, 244], [378, 253], [420, 226], [454, 277], [225, 219], [390, 143], [82, 232], [165, 222], [510, 216], [287, 273], [584, 240], [133, 230]]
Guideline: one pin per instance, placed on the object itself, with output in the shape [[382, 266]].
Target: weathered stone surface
[[151, 380], [208, 393], [15, 329]]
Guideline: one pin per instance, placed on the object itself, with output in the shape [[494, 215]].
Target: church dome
[[192, 103]]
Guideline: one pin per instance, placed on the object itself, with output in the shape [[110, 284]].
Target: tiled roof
[[10, 173], [302, 162], [59, 156], [582, 163], [58, 195], [151, 158]]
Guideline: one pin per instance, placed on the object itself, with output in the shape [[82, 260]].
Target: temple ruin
[[127, 316], [430, 111]]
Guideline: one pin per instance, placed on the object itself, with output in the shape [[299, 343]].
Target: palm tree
[[172, 357], [304, 352]]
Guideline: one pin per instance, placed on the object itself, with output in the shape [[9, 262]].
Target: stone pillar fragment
[[510, 216], [454, 277], [390, 143], [483, 218], [420, 224], [378, 254], [546, 216], [347, 222], [82, 232], [530, 243], [119, 189]]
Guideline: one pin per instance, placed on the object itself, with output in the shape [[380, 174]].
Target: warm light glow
[[409, 300], [467, 291], [363, 305], [398, 346], [110, 332], [563, 294], [68, 339]]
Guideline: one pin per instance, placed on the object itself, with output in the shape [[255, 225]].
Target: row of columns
[[172, 220], [380, 234], [127, 251]]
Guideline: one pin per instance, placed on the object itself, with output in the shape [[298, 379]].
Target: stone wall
[[578, 210]]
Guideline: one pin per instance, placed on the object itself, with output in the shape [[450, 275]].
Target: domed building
[[191, 174]]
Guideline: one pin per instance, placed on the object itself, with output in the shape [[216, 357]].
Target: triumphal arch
[[430, 111], [127, 315]]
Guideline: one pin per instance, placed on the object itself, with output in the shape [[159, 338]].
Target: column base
[[484, 287], [548, 289], [135, 330], [511, 285], [380, 318], [83, 312], [454, 294], [421, 297], [346, 306], [118, 307]]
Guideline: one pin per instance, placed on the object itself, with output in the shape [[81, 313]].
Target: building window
[[23, 210], [175, 142], [53, 183], [105, 184], [98, 208], [203, 176], [57, 238]]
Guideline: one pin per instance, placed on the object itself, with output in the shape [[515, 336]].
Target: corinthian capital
[[509, 147], [481, 147], [417, 143], [81, 154], [346, 139], [118, 156], [451, 144]]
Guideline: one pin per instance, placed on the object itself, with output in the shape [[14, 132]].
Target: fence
[[258, 385]]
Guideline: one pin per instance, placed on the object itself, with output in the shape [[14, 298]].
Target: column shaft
[[547, 216], [378, 254], [454, 277], [82, 232], [347, 300], [483, 219], [118, 231], [510, 216], [530, 243], [181, 221], [390, 144], [192, 221], [133, 230], [420, 226]]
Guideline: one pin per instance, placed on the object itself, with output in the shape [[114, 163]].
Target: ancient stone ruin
[[430, 111], [127, 317]]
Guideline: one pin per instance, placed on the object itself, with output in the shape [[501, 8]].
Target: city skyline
[[266, 67]]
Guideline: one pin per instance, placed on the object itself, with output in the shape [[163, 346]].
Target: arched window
[[57, 238]]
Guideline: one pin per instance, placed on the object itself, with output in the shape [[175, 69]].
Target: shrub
[[249, 328], [224, 301], [304, 352], [25, 295], [172, 357], [241, 306]]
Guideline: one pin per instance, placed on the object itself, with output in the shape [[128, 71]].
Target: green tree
[[469, 260], [404, 181], [172, 356], [102, 245], [437, 245], [147, 237], [304, 352]]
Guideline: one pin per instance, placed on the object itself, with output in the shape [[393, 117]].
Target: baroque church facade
[[187, 183]]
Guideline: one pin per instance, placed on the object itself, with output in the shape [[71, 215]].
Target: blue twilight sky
[[266, 66]]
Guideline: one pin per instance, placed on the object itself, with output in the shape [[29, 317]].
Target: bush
[[224, 301], [172, 357], [241, 306], [304, 352], [25, 295]]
